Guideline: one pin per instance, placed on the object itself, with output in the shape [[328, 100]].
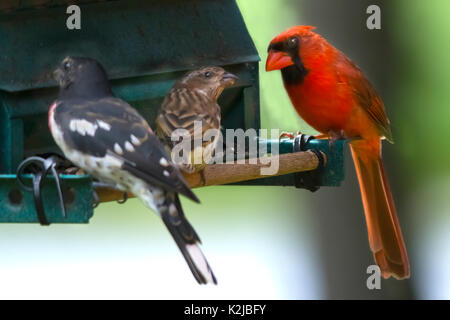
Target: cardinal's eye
[[292, 42], [208, 74]]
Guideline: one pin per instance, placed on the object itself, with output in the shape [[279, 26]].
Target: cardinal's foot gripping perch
[[308, 179]]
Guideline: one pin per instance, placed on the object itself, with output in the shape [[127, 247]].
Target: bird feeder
[[145, 47]]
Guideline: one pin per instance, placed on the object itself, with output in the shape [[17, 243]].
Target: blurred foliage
[[421, 112], [276, 108]]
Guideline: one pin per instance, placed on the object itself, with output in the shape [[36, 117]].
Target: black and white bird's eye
[[67, 65], [292, 42], [208, 74]]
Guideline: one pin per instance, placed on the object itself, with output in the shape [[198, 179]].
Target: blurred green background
[[273, 242]]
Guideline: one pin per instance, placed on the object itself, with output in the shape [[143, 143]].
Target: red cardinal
[[333, 96]]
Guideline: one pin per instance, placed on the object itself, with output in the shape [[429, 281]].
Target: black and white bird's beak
[[61, 77], [61, 74], [58, 75]]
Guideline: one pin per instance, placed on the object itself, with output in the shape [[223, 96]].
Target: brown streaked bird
[[193, 100]]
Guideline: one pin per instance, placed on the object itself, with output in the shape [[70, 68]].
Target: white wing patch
[[104, 125], [118, 149], [164, 162], [129, 146], [85, 127], [135, 140]]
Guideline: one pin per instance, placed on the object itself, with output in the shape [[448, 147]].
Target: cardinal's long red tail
[[385, 235]]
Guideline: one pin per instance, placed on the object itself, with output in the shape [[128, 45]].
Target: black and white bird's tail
[[186, 238]]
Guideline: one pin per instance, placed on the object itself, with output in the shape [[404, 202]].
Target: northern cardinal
[[334, 97], [193, 98], [109, 139]]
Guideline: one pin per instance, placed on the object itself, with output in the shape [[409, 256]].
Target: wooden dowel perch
[[218, 174]]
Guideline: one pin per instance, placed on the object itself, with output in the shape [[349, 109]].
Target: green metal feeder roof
[[130, 38]]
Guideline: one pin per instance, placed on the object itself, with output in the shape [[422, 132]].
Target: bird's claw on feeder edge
[[289, 135], [333, 137], [97, 184], [96, 199], [124, 199], [45, 166], [308, 180]]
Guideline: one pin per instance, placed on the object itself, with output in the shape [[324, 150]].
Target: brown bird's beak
[[228, 79], [277, 60]]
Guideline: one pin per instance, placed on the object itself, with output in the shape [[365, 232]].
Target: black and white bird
[[110, 140]]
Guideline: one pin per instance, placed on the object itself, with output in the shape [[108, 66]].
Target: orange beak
[[277, 60]]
